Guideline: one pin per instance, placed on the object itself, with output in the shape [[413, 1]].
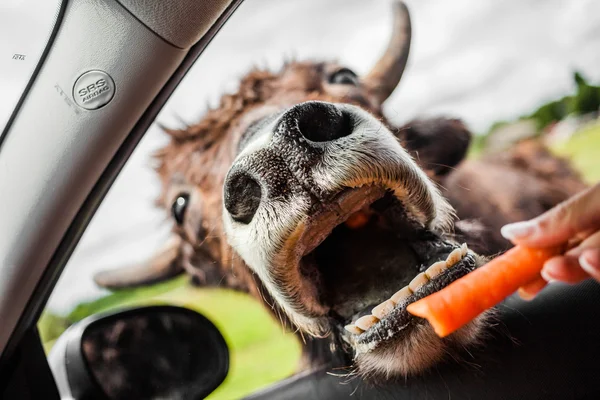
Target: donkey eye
[[344, 76], [179, 207]]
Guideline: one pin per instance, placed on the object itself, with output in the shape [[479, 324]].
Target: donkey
[[298, 190]]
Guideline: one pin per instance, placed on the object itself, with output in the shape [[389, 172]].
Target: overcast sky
[[480, 60]]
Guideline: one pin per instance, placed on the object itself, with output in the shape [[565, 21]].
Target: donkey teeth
[[353, 329], [379, 312], [401, 295], [418, 281], [463, 249], [367, 321], [436, 269], [383, 309], [454, 257]]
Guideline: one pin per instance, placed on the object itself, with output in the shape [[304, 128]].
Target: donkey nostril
[[322, 122], [242, 196]]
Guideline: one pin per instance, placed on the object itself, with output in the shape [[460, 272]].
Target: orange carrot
[[358, 220], [464, 299]]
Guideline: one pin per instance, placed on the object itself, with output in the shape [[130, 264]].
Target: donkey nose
[[242, 196], [319, 121]]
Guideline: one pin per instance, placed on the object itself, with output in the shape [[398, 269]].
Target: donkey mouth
[[368, 258]]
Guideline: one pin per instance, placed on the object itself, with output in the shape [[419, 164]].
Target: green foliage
[[550, 112], [478, 143], [585, 100], [498, 125], [582, 150]]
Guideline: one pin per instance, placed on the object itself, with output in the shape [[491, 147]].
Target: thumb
[[578, 214]]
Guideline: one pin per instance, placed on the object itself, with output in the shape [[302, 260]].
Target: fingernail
[[587, 266], [525, 295], [517, 230], [574, 252], [548, 277]]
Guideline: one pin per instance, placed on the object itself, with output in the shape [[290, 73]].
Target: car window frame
[[45, 285]]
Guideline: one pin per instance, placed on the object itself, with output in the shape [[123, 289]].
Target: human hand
[[575, 222]]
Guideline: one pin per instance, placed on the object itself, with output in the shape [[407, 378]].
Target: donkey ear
[[163, 265], [438, 144]]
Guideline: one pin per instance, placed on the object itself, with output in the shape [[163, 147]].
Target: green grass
[[261, 352], [583, 149], [477, 146]]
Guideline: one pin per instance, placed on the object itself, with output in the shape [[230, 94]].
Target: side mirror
[[156, 352]]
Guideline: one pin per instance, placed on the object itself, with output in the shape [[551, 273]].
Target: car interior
[[82, 81]]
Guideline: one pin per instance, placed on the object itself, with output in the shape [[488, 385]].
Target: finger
[[581, 212], [580, 237], [564, 269], [531, 289], [590, 262], [591, 242]]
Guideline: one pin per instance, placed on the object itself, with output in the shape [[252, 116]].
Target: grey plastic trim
[[179, 22], [56, 151], [36, 42]]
